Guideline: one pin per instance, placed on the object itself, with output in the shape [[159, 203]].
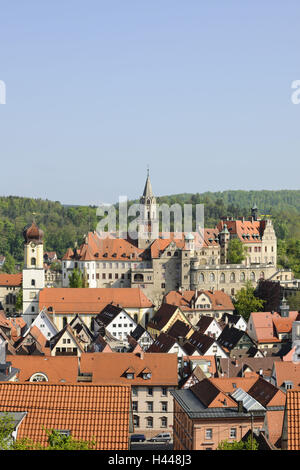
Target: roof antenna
[[148, 171]]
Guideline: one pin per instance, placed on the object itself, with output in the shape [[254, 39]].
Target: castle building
[[33, 271], [159, 263]]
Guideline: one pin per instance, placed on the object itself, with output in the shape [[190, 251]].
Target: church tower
[[33, 271], [148, 229]]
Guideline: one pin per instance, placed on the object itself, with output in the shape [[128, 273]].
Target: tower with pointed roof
[[148, 229], [33, 271]]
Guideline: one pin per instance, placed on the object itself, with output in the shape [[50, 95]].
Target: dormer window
[[146, 374], [129, 374]]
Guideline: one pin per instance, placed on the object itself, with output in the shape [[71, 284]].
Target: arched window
[[38, 377], [33, 261], [242, 276], [232, 277], [252, 276], [169, 253], [222, 277], [138, 278], [201, 277], [262, 275], [212, 277]]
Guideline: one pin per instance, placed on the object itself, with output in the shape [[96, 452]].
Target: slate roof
[[162, 316]]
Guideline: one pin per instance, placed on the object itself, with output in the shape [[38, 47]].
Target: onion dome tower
[[33, 271]]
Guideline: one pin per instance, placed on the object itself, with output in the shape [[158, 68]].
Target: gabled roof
[[237, 367], [268, 325], [211, 396], [185, 300], [264, 392], [138, 332], [287, 371], [162, 344], [230, 337], [178, 329], [204, 323], [90, 412], [162, 316], [198, 342], [247, 231], [108, 314], [70, 332]]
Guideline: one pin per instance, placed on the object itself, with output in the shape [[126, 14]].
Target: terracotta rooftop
[[57, 369], [96, 248], [11, 280], [292, 419], [185, 299], [91, 301], [110, 368], [247, 231], [90, 412], [287, 371]]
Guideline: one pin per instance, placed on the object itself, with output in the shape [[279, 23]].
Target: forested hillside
[[65, 225]]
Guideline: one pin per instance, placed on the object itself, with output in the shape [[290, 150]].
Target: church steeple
[[148, 227], [148, 187]]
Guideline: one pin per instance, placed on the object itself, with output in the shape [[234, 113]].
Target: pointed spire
[[148, 188]]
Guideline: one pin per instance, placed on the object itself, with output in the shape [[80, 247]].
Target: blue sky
[[198, 90]]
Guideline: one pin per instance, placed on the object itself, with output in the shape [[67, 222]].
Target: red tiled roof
[[111, 367], [12, 280], [292, 419], [247, 227], [57, 369], [91, 301], [219, 300], [287, 371], [97, 248], [90, 412]]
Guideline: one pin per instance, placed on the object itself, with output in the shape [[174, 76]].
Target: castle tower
[[284, 308], [224, 237], [254, 212], [148, 229], [33, 271]]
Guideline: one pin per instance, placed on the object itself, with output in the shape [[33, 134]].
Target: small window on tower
[[33, 261], [33, 282]]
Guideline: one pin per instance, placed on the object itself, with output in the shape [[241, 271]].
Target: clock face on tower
[[32, 244]]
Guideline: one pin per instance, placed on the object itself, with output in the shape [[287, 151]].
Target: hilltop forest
[[64, 226]]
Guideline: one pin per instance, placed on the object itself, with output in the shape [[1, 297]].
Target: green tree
[[56, 441], [9, 264], [246, 302], [19, 301], [6, 428], [250, 444], [236, 251], [75, 278]]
